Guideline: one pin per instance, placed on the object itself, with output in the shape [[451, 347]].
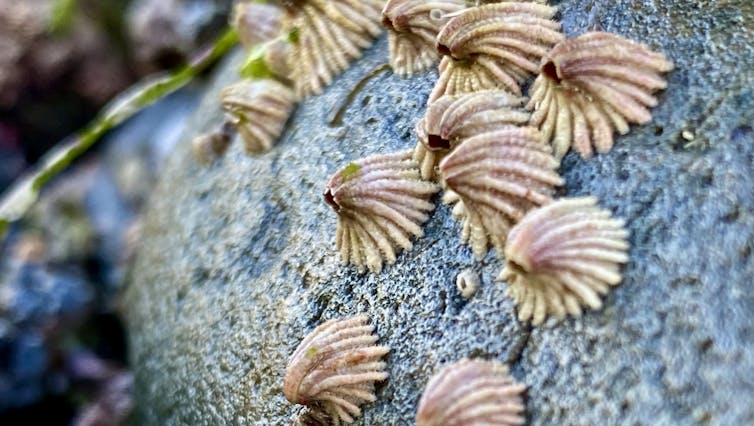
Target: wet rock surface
[[238, 261]]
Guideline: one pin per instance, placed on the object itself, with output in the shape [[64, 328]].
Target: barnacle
[[326, 36], [209, 146], [257, 22], [493, 179], [381, 202], [451, 119], [413, 26], [334, 368], [494, 46], [563, 256], [472, 392], [258, 109], [591, 86], [467, 282]]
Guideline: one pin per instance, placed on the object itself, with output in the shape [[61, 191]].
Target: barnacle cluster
[[494, 152], [334, 369]]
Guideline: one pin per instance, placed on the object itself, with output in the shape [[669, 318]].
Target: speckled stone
[[238, 260]]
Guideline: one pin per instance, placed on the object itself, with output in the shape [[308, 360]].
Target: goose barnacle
[[493, 179], [259, 110], [326, 35], [413, 26], [494, 46], [381, 202], [591, 86], [451, 119], [333, 370], [472, 392], [563, 256]]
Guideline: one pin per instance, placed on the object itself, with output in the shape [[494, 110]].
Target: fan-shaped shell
[[334, 368], [591, 86], [472, 393], [381, 203], [257, 22], [452, 119], [563, 256], [326, 36], [494, 178], [494, 46], [413, 26], [259, 110]]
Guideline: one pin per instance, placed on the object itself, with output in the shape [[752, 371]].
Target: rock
[[238, 260]]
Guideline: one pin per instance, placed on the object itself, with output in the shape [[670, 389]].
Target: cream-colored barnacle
[[381, 202], [494, 46], [333, 370], [452, 119], [257, 22], [326, 35], [593, 85], [563, 256], [209, 146], [493, 179], [413, 26], [472, 393], [259, 110]]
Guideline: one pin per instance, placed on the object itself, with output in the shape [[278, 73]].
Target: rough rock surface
[[238, 261]]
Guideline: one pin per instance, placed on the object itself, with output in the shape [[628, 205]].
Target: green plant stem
[[19, 198]]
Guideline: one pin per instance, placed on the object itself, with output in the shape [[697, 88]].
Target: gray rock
[[238, 262]]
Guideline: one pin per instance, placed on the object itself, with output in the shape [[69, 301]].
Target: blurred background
[[63, 354]]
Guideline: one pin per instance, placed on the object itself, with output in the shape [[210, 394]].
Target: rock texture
[[238, 262]]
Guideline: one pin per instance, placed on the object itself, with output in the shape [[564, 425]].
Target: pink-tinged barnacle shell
[[593, 85], [413, 26], [452, 119], [259, 110], [563, 256], [334, 368], [326, 36], [493, 179], [494, 46], [472, 393], [381, 202], [257, 22]]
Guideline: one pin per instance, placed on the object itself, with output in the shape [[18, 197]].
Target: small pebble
[[467, 282]]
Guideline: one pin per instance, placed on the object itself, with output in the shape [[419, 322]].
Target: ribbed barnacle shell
[[451, 119], [381, 202], [494, 46], [413, 26], [591, 86], [259, 110], [333, 370], [563, 256], [257, 22], [472, 393], [326, 36], [493, 179]]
